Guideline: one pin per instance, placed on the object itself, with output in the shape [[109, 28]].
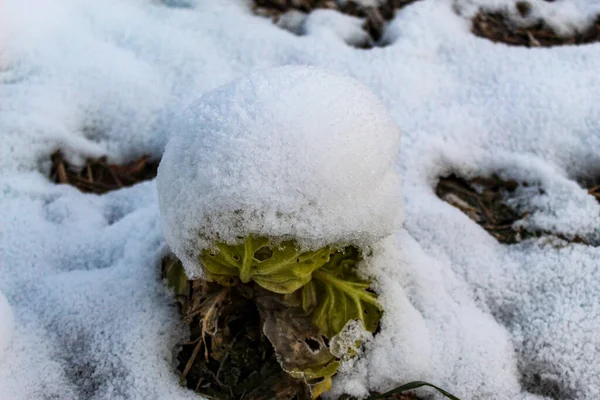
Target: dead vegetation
[[375, 17], [486, 206], [99, 176], [227, 357], [230, 354], [498, 28], [486, 201], [495, 26]]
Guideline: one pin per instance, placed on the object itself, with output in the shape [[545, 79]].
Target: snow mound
[[333, 24], [292, 152], [6, 325]]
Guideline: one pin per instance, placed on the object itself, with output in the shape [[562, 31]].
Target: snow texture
[[480, 319], [275, 155], [293, 21], [331, 24], [7, 325]]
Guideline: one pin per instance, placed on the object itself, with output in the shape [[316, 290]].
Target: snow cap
[[287, 153]]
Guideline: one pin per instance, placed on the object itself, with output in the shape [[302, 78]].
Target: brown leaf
[[297, 342]]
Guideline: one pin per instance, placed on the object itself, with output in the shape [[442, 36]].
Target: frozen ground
[[481, 319]]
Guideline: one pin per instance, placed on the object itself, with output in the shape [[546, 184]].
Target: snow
[[6, 327], [421, 303], [480, 319], [274, 155], [331, 24], [292, 21]]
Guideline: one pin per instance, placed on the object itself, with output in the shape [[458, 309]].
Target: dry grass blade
[[211, 315], [594, 190], [596, 195], [61, 173], [190, 362], [99, 176]]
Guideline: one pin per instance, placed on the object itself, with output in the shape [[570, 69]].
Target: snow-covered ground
[[92, 319]]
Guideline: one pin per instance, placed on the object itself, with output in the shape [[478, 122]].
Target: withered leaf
[[301, 349]]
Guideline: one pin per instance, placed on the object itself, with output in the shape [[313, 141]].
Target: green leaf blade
[[411, 386], [281, 268], [342, 297]]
